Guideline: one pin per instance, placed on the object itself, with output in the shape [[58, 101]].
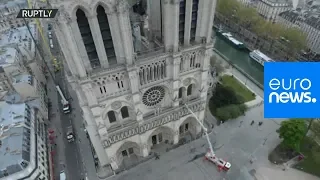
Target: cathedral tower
[[134, 64]]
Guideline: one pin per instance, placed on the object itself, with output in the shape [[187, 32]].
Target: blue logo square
[[291, 90]]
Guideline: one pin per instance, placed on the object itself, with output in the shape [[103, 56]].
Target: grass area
[[238, 87], [311, 162]]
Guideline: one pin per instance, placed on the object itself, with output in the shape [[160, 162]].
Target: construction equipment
[[70, 134], [47, 45], [210, 155], [65, 104]]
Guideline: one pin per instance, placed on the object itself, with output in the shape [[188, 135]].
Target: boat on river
[[259, 57], [228, 37]]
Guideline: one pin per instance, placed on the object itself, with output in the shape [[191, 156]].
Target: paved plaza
[[233, 141]]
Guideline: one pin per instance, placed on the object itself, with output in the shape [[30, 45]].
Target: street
[[68, 155]]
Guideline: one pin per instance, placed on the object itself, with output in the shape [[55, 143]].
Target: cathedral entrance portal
[[161, 139]]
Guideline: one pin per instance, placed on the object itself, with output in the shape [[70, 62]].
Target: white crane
[[204, 129], [222, 165]]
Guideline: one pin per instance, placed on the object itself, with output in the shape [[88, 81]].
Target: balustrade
[[191, 60]]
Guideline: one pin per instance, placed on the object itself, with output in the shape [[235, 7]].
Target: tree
[[231, 111], [216, 64], [226, 6], [315, 128], [247, 16], [292, 132], [295, 38], [223, 96]]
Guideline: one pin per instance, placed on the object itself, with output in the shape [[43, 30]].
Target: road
[[68, 153], [76, 158]]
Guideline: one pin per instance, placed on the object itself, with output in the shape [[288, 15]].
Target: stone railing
[[153, 122]]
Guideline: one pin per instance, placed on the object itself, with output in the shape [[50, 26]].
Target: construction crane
[[210, 155], [55, 63]]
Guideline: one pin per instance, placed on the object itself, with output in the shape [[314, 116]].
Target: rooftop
[[13, 3], [21, 38], [14, 138], [7, 56], [23, 78], [309, 17], [278, 2]]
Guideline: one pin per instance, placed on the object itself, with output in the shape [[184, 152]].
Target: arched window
[[141, 77], [189, 90], [87, 38], [181, 64], [180, 92], [112, 117], [106, 35], [124, 112]]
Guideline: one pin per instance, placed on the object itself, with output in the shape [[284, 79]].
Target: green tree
[[292, 132], [275, 30], [231, 111], [295, 38], [226, 6], [216, 64], [247, 16], [223, 96]]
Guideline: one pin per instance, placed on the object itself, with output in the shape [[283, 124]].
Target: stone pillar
[[134, 82], [198, 128], [176, 81], [94, 136], [71, 43], [187, 25], [167, 31], [211, 19], [98, 41], [125, 30], [202, 19], [116, 36], [176, 66], [113, 163], [176, 137], [62, 39], [74, 28], [175, 24], [145, 150], [88, 91]]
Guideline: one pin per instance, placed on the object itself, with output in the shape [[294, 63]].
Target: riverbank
[[232, 69], [234, 66]]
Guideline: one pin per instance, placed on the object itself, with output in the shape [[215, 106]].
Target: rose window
[[153, 96]]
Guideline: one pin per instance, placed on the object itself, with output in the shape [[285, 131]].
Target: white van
[[51, 43], [63, 175]]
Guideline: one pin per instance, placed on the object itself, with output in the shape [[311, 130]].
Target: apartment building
[[308, 21], [270, 9], [23, 149], [21, 66], [8, 12]]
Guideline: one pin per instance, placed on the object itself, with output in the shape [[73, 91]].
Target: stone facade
[[270, 9], [133, 98]]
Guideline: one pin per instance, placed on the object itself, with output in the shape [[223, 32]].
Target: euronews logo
[[295, 91]]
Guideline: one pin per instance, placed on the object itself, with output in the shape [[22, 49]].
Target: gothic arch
[[108, 7], [167, 134], [117, 109], [192, 125], [79, 5], [125, 147], [190, 80], [112, 116]]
